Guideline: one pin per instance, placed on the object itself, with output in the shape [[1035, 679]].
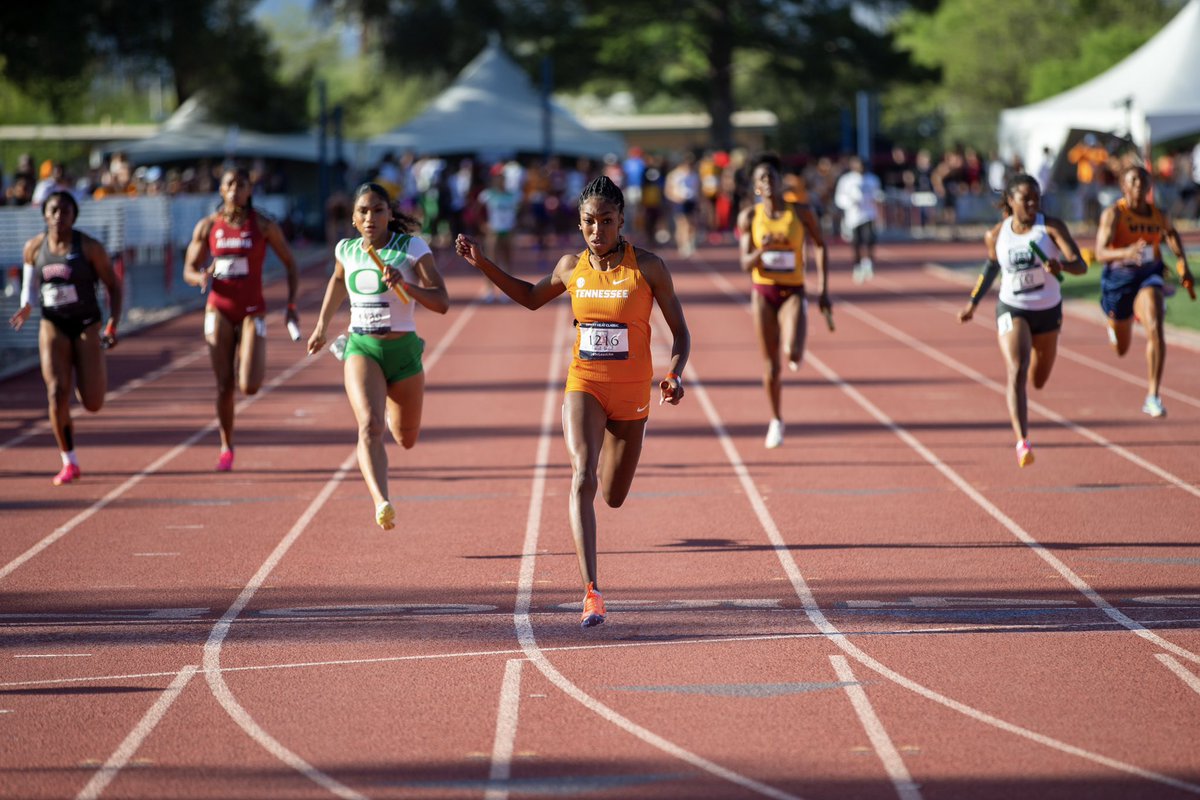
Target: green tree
[[51, 50], [992, 56], [704, 53]]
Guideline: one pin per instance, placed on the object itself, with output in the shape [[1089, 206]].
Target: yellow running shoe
[[1024, 453], [593, 608], [385, 515]]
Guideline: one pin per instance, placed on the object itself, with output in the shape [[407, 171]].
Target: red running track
[[885, 606]]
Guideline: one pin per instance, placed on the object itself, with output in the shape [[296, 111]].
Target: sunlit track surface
[[357, 663]]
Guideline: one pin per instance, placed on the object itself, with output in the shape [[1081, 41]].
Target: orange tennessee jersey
[[612, 318], [1128, 227], [783, 263]]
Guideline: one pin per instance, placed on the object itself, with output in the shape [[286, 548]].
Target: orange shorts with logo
[[620, 401]]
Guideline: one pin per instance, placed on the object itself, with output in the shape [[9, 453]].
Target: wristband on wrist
[[291, 306], [110, 327], [677, 378]]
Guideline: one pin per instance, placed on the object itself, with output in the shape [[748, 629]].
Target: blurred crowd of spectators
[[685, 198], [116, 177]]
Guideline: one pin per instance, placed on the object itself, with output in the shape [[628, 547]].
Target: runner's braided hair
[[604, 188], [400, 222]]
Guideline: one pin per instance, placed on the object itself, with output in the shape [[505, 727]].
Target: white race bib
[[779, 260], [368, 317], [59, 294], [603, 341], [227, 267], [1027, 280]]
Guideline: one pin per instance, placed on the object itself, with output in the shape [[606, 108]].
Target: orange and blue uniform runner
[[611, 358], [238, 252], [1122, 280]]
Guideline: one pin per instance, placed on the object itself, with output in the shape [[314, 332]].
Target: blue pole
[[864, 126]]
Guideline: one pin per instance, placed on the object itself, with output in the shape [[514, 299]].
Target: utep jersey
[[68, 284], [612, 318], [1024, 281], [374, 308], [1129, 226], [238, 252], [783, 264]]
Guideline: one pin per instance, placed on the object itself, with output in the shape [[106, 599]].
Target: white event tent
[[1153, 95], [190, 134], [493, 109]]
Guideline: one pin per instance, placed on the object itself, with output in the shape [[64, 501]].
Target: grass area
[[1181, 310]]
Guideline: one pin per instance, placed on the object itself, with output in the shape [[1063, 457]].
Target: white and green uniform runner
[[376, 311], [374, 308]]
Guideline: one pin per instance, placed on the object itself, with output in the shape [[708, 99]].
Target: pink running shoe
[[225, 462], [69, 472]]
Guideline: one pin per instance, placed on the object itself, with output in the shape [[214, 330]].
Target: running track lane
[[856, 508]]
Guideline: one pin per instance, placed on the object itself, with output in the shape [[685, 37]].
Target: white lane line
[[1048, 413], [813, 611], [1065, 352], [120, 757], [152, 555], [521, 614], [216, 639], [212, 648], [965, 486], [43, 425], [1180, 671], [762, 637], [893, 764], [147, 471], [506, 731], [57, 655]]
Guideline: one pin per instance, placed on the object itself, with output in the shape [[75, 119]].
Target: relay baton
[[398, 289], [1037, 251]]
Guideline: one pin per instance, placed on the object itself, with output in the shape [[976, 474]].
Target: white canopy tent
[[189, 135], [492, 109], [1152, 95]]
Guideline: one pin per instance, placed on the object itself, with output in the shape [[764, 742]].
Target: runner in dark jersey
[[226, 257], [62, 266]]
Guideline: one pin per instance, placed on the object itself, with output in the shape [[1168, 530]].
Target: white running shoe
[[867, 270], [1153, 406], [774, 434]]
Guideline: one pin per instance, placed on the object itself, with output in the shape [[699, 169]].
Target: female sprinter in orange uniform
[[773, 233], [226, 256], [384, 378], [1130, 240], [62, 267], [613, 286], [1029, 311]]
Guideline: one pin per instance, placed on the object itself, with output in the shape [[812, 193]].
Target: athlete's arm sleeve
[[28, 287], [990, 270]]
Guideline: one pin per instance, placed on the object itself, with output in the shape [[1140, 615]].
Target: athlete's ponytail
[[1010, 188]]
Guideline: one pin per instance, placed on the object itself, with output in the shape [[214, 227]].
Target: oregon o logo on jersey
[[372, 276]]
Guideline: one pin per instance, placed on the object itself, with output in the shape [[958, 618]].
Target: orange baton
[[398, 289]]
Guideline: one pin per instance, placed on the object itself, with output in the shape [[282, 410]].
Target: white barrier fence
[[146, 236]]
